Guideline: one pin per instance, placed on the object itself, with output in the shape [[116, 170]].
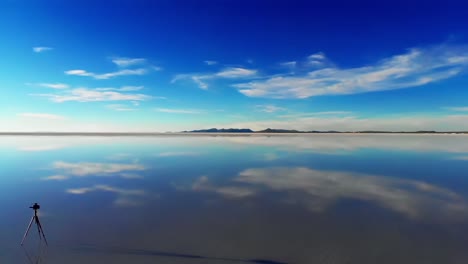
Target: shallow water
[[243, 199]]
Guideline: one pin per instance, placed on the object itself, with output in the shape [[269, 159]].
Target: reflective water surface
[[236, 199]]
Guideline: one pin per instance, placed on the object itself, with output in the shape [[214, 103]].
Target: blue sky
[[179, 65]]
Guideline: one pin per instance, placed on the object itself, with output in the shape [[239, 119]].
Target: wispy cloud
[[210, 62], [317, 60], [42, 147], [199, 80], [236, 72], [41, 49], [94, 95], [123, 72], [55, 178], [57, 86], [320, 113], [42, 116], [289, 64], [121, 89], [127, 62], [269, 108], [179, 111], [458, 108], [418, 66], [226, 73]]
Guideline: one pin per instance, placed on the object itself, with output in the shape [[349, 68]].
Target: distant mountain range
[[274, 130]]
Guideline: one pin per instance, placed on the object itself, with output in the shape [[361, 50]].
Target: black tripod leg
[[27, 230], [39, 226]]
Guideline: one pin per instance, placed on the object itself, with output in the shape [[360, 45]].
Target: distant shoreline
[[220, 133]]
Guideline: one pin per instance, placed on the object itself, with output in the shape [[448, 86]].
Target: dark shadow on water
[[144, 252]]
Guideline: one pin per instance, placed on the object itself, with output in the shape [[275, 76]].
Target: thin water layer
[[243, 199]]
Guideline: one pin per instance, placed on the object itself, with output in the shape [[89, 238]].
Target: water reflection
[[318, 190], [37, 255], [145, 252], [83, 169], [245, 199], [125, 197], [330, 143]]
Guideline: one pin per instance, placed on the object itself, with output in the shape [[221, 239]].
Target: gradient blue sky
[[177, 65]]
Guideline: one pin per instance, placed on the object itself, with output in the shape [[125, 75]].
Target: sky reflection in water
[[243, 199]]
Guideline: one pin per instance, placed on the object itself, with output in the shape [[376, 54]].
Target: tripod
[[35, 219]]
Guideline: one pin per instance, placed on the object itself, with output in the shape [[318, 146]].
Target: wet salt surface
[[243, 199]]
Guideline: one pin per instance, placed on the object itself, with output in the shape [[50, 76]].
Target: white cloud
[[458, 108], [54, 85], [179, 111], [317, 60], [199, 80], [123, 72], [78, 72], [210, 62], [42, 147], [42, 116], [415, 68], [236, 73], [82, 169], [321, 113], [227, 73], [41, 49], [126, 62], [269, 108], [55, 178], [89, 95], [317, 56], [121, 89], [289, 64]]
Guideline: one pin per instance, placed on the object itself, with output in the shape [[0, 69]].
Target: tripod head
[[35, 219], [35, 207]]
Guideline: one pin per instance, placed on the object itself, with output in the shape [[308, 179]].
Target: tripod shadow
[[36, 258], [144, 252]]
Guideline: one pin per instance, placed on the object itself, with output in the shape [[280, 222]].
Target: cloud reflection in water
[[88, 168], [125, 197], [319, 189]]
